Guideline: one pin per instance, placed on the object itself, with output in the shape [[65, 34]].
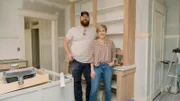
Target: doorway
[[35, 48], [32, 42]]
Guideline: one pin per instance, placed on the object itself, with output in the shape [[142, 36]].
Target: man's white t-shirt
[[80, 43]]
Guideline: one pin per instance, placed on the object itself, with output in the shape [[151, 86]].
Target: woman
[[102, 55]]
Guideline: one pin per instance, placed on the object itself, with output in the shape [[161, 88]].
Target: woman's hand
[[93, 74], [111, 63]]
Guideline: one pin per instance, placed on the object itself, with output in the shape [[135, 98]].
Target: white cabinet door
[[157, 56]]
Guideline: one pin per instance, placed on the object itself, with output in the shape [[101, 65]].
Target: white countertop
[[123, 68]]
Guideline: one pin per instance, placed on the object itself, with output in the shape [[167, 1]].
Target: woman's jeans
[[105, 71]]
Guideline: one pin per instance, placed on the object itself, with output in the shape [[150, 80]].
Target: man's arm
[[66, 48]]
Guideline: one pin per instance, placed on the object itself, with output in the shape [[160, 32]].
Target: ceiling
[[61, 2]]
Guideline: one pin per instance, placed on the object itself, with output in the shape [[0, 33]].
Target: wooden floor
[[168, 97]]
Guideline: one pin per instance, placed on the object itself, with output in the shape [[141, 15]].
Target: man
[[80, 37]]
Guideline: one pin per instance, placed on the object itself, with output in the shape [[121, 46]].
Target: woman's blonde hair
[[101, 26]]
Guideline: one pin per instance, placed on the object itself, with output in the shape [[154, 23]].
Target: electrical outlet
[[18, 48]]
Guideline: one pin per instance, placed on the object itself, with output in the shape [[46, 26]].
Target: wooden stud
[[94, 13], [73, 14], [129, 32], [144, 35], [67, 67]]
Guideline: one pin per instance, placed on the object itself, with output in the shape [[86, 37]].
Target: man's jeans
[[105, 71], [77, 69]]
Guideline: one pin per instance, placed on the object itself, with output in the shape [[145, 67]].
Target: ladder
[[171, 79]]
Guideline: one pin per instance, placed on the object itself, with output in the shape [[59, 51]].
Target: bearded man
[[80, 37]]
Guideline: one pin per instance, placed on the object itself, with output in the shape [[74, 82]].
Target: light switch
[[18, 48]]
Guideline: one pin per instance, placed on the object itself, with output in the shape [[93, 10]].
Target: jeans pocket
[[109, 66]]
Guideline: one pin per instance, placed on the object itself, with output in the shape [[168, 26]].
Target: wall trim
[[139, 98], [9, 37], [143, 35], [36, 14], [49, 3], [172, 36]]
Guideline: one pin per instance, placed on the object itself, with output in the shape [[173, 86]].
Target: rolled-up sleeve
[[69, 35], [91, 52]]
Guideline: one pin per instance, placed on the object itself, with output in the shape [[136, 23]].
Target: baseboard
[[139, 98], [149, 98], [142, 98]]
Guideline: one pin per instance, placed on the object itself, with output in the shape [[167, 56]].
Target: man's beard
[[85, 24]]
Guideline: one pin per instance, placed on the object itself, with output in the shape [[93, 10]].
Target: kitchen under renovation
[[90, 50]]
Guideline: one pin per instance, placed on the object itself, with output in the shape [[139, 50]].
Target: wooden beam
[[94, 13], [129, 32], [73, 14]]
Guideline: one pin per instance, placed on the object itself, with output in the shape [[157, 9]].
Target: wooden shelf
[[114, 85], [83, 1], [110, 8], [105, 9], [110, 21], [121, 33]]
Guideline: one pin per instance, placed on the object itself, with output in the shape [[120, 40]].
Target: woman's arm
[[93, 73], [113, 50], [91, 59]]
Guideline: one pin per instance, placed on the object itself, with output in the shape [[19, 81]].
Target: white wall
[[143, 46], [172, 27], [142, 50], [9, 36]]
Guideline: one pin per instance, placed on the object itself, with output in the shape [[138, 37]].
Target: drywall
[[142, 51], [172, 30], [9, 36], [45, 44], [172, 27], [161, 1], [173, 19]]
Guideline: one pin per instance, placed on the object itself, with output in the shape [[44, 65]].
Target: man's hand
[[93, 74], [70, 57]]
